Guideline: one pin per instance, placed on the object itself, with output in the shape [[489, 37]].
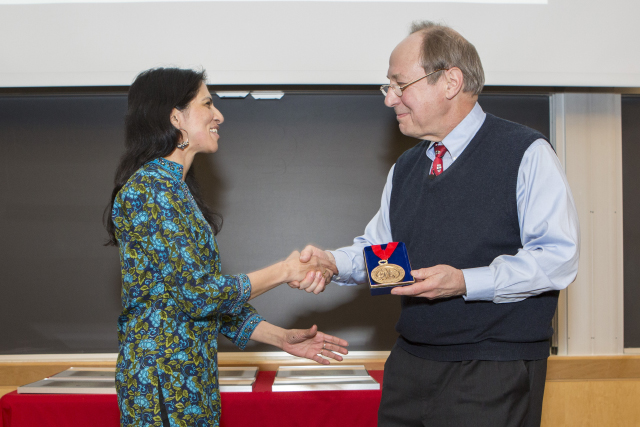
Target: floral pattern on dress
[[175, 302]]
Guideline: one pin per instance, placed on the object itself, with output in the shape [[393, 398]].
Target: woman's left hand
[[310, 343]]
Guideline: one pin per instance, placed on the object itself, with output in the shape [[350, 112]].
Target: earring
[[184, 144]]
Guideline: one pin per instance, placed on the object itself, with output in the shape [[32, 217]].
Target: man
[[492, 234]]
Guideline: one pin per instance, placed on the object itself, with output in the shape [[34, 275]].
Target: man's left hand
[[440, 281]]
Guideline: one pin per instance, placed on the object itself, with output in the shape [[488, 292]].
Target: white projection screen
[[521, 42]]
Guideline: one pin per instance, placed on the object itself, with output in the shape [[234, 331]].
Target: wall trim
[[84, 357], [223, 357], [560, 368]]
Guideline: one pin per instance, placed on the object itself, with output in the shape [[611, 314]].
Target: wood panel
[[593, 367], [591, 403], [5, 390], [15, 374]]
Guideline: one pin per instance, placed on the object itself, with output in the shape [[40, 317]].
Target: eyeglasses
[[399, 89]]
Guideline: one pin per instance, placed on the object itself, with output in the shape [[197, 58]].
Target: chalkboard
[[308, 168], [631, 214]]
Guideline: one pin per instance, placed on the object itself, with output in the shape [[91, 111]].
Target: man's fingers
[[423, 273], [321, 287], [327, 277], [318, 284], [294, 285], [308, 280], [406, 291], [317, 276], [411, 290], [322, 282], [420, 289], [330, 266]]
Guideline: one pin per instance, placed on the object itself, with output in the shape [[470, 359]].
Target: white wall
[[562, 43]]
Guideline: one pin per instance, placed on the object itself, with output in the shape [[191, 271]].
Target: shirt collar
[[175, 169], [461, 135]]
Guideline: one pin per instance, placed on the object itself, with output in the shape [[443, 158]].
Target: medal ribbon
[[386, 253]]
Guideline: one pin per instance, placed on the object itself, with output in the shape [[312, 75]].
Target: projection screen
[[521, 42]]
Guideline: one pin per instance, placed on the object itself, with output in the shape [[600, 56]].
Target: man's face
[[422, 106]]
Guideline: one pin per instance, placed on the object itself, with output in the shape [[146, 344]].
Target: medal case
[[399, 257]]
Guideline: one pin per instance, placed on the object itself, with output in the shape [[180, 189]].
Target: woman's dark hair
[[149, 133]]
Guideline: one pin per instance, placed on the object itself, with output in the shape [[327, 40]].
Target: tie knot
[[440, 149]]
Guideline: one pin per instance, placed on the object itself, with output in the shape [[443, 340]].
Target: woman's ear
[[175, 118]]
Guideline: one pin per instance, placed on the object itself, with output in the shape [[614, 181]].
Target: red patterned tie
[[437, 166]]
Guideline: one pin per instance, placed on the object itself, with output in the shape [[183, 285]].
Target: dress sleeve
[[239, 328], [181, 250]]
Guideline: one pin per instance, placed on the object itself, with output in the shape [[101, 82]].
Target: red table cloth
[[262, 407]]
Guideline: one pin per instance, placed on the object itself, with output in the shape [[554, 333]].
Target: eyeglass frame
[[397, 88]]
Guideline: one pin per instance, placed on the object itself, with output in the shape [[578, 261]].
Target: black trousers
[[475, 393]]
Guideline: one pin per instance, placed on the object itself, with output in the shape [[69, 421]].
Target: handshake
[[310, 269]]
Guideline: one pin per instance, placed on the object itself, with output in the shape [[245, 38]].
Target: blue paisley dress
[[175, 302]]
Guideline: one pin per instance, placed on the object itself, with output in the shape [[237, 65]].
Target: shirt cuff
[[479, 282], [343, 264]]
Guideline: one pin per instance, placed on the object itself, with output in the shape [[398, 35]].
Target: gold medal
[[386, 273]]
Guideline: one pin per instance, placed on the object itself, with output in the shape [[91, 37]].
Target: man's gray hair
[[443, 48]]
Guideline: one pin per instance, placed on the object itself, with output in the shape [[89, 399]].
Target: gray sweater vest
[[465, 218]]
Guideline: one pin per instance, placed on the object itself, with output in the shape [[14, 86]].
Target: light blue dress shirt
[[547, 216]]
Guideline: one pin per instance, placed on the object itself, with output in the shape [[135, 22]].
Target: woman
[[175, 300]]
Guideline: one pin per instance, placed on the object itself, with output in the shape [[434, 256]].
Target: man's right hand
[[308, 283]]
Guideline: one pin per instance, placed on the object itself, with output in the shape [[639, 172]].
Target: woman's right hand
[[296, 271], [293, 270]]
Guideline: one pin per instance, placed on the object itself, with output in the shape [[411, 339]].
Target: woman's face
[[201, 122]]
